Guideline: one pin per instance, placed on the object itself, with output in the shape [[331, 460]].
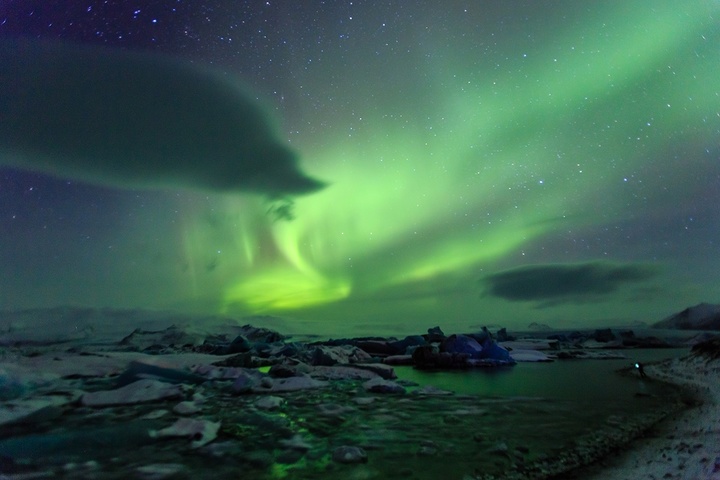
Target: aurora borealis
[[486, 162]]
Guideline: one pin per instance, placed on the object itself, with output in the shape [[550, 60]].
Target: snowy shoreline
[[685, 445]]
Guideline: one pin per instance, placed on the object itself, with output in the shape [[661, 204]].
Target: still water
[[564, 380]]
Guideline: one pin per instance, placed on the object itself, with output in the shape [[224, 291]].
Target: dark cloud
[[137, 120], [558, 283]]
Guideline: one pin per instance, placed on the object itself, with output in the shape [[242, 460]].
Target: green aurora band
[[469, 164]]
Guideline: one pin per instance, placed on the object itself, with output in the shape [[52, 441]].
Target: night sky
[[402, 164]]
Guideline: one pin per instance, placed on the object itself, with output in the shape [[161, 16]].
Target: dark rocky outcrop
[[709, 349], [704, 316], [603, 335]]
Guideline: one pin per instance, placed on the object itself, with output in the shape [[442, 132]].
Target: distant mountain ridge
[[704, 316]]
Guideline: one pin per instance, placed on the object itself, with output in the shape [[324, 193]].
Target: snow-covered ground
[[686, 446]]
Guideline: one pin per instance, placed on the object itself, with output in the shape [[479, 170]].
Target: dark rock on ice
[[342, 354], [289, 368], [246, 381], [138, 392], [349, 454], [340, 372], [603, 335], [380, 385], [384, 371], [291, 384], [435, 334], [399, 359], [502, 336], [709, 349], [239, 345], [152, 367], [373, 347], [241, 360], [401, 347], [261, 334], [158, 340]]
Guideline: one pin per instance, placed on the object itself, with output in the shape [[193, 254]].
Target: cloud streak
[[564, 283], [137, 120]]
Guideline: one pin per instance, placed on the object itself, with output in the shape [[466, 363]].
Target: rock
[[435, 335], [156, 368], [603, 335], [502, 336], [242, 360], [239, 345], [260, 334], [349, 454], [342, 354], [400, 347], [289, 368], [137, 392], [269, 403], [364, 400], [425, 357], [384, 371], [292, 384], [699, 338], [380, 348], [172, 336], [704, 316], [380, 385], [262, 350], [399, 359], [341, 373], [288, 350], [709, 349], [201, 431], [245, 382]]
